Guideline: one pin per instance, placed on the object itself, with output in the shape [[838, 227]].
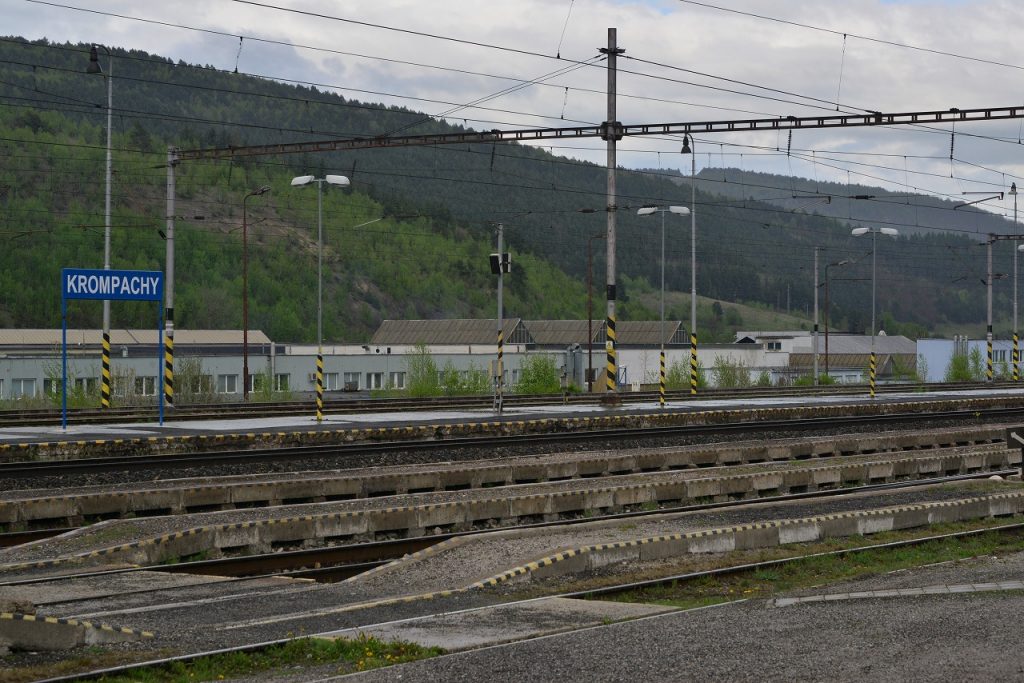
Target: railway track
[[14, 470], [342, 406], [339, 562], [608, 590]]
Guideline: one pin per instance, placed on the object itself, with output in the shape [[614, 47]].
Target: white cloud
[[781, 56]]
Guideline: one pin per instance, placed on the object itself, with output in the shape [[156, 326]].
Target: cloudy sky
[[535, 64]]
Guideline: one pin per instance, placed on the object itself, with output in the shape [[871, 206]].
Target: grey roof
[[646, 332], [124, 337], [884, 361], [859, 343], [446, 332], [562, 332], [771, 334], [538, 332]]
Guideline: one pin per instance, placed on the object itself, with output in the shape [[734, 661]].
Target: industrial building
[[208, 363]]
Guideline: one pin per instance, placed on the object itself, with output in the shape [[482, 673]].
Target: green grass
[[345, 655], [820, 571]]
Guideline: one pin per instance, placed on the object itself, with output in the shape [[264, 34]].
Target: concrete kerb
[[746, 536], [252, 440], [760, 535], [32, 632], [76, 506], [259, 535]]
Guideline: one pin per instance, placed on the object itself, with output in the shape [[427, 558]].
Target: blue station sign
[[115, 285]]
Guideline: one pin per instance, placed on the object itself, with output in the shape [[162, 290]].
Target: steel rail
[[349, 560], [37, 468], [767, 564], [343, 406], [606, 590]]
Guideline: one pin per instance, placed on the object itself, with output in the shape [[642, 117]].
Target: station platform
[[298, 429]]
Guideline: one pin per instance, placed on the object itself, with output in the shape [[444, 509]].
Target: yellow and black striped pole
[[871, 374], [500, 371], [693, 363], [1016, 358], [105, 379], [169, 368], [319, 385], [661, 387], [609, 346], [988, 361]]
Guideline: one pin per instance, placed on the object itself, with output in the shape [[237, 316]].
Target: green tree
[[961, 368], [731, 374], [538, 375], [422, 372]]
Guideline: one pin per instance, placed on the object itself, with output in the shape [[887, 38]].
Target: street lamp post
[[1016, 248], [827, 266], [590, 309], [647, 211], [95, 68], [690, 147], [341, 181], [857, 232], [245, 290]]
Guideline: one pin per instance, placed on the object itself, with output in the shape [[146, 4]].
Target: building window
[[375, 380], [23, 388], [228, 384], [351, 381], [1, 387], [256, 382], [145, 386], [51, 387], [281, 382], [201, 384], [87, 385], [999, 356], [330, 381], [396, 380], [773, 346]]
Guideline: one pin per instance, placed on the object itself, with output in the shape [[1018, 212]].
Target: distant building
[[937, 355], [209, 362]]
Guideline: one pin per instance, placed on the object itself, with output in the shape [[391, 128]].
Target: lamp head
[[686, 145], [302, 180], [1013, 188], [857, 232], [337, 180], [681, 210], [891, 232], [94, 62], [646, 210]]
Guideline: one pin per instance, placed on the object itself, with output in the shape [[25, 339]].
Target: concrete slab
[[503, 623], [90, 587]]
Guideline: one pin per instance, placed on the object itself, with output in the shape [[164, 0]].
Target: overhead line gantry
[[611, 131]]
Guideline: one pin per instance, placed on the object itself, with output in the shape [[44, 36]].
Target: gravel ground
[[270, 612], [969, 637], [481, 557], [117, 532], [973, 570]]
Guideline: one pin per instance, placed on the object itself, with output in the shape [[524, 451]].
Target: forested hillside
[[411, 237]]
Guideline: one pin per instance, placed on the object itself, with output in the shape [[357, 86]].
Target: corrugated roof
[[124, 337], [857, 343], [539, 332], [454, 332], [645, 332], [853, 360], [561, 332]]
